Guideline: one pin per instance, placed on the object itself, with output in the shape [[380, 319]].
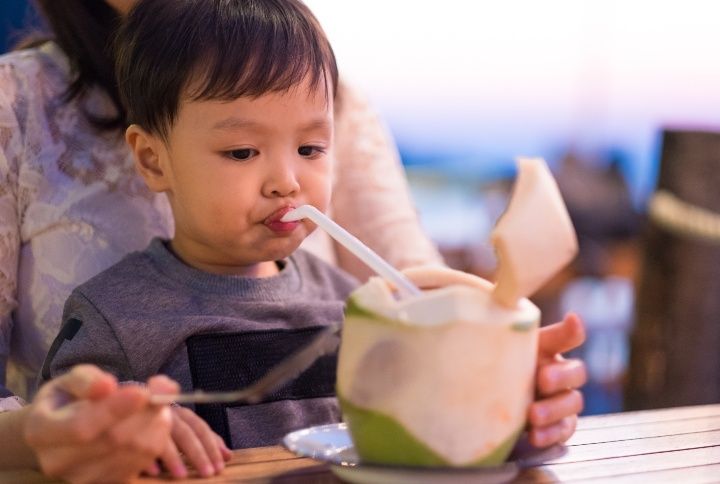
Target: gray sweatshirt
[[152, 314]]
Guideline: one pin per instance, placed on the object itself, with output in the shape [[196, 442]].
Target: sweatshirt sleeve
[[371, 197], [11, 149], [85, 337]]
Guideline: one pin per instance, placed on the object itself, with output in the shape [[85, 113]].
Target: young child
[[236, 127]]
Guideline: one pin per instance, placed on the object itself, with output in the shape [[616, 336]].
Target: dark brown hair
[[171, 50], [83, 29]]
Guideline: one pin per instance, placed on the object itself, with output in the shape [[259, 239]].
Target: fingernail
[[179, 471], [219, 466], [541, 438], [207, 470]]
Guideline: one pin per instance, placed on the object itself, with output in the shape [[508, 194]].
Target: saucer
[[332, 445]]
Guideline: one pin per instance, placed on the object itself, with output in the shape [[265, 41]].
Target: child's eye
[[310, 150], [241, 154]]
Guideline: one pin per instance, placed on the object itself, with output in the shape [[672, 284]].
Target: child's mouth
[[274, 223]]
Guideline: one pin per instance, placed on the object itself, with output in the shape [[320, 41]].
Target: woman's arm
[[11, 147], [14, 451], [371, 197]]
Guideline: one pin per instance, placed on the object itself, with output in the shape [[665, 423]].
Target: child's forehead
[[299, 109], [305, 92]]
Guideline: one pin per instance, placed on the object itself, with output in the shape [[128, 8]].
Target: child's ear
[[147, 149]]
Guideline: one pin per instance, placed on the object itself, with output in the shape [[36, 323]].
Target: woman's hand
[[553, 416], [84, 428]]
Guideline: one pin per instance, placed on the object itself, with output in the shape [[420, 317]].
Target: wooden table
[[670, 445]]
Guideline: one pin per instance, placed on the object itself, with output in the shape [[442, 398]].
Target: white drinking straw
[[351, 243]]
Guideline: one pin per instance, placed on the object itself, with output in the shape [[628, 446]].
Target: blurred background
[[466, 86], [592, 86]]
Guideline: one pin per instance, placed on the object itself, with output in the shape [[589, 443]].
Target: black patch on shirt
[[231, 361]]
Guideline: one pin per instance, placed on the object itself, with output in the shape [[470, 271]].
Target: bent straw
[[351, 243]]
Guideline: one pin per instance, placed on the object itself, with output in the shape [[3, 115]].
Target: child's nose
[[281, 180]]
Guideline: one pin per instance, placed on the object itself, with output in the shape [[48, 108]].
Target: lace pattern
[[70, 204]]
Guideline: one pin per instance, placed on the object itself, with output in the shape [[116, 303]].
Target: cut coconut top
[[451, 304], [535, 238]]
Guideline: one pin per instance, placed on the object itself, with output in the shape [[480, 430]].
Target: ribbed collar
[[283, 286]]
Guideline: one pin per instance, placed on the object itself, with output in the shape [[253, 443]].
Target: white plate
[[332, 445]]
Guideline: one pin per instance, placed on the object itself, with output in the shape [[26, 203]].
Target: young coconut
[[446, 378], [442, 379]]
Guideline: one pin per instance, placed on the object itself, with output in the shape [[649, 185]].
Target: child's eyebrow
[[235, 123], [317, 124]]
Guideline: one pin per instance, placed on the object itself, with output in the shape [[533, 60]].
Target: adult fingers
[[146, 432], [100, 461], [208, 440], [560, 337], [61, 461], [550, 411], [81, 421], [162, 385], [553, 434], [109, 468], [87, 381], [562, 375], [82, 382]]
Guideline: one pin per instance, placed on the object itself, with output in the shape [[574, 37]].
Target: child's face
[[232, 169]]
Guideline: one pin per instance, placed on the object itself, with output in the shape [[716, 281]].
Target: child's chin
[[281, 251]]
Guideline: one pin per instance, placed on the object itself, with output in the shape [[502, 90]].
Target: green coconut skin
[[380, 439], [523, 326], [353, 309]]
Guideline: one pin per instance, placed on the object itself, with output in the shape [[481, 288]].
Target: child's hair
[[168, 51]]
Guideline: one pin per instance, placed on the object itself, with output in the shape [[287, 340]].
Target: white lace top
[[71, 203]]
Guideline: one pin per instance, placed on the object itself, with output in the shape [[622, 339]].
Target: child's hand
[[204, 449], [553, 416]]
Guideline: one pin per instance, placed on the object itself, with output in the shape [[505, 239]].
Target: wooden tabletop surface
[[668, 445]]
